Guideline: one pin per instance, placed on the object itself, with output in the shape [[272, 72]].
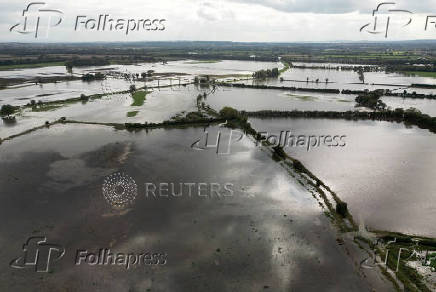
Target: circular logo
[[120, 190]]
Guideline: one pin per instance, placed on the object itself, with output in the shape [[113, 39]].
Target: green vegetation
[[36, 65], [290, 88], [263, 74], [139, 97], [420, 73], [45, 108], [371, 100], [229, 113], [285, 68], [342, 209], [84, 98], [7, 110], [132, 114], [410, 116], [92, 77], [93, 61]]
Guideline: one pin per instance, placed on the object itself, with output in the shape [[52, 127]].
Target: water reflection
[[275, 239], [385, 173]]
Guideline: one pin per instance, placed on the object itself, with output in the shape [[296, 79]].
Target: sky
[[219, 20]]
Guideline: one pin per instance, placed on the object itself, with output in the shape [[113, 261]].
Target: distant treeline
[[179, 122], [92, 77], [87, 62], [423, 68], [38, 60], [410, 116], [387, 92], [340, 67]]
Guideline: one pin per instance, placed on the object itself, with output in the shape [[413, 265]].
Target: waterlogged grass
[[302, 97], [132, 114], [285, 68], [420, 73], [139, 97], [37, 65], [46, 108]]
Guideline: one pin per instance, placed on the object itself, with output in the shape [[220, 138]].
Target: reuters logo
[[120, 190]]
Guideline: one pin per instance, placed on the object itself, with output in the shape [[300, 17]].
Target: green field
[[139, 98], [132, 114], [36, 65], [420, 73]]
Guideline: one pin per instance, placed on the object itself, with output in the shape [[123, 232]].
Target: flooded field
[[385, 172], [348, 79], [179, 72], [254, 100], [269, 234]]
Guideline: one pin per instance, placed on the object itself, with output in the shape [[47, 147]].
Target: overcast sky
[[227, 20]]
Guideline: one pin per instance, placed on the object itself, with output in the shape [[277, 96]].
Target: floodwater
[[426, 106], [346, 79], [23, 93], [269, 234], [272, 99], [159, 105], [385, 172]]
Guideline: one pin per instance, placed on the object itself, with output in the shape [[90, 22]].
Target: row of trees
[[410, 116], [291, 88], [371, 100], [77, 62], [7, 110], [92, 77], [269, 73]]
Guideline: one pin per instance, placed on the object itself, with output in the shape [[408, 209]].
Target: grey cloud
[[339, 6], [213, 12]]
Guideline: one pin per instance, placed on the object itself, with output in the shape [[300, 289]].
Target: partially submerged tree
[[7, 110]]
